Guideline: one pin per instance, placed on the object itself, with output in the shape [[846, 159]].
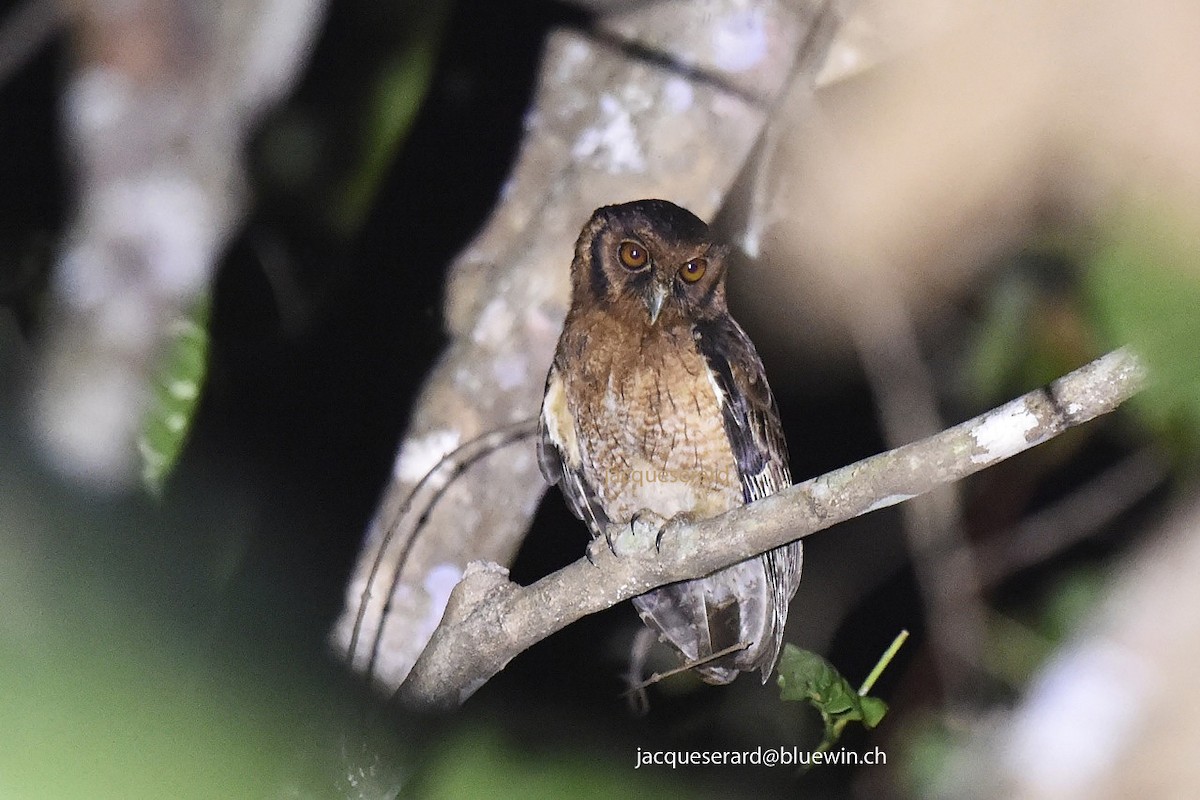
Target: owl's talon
[[639, 537], [594, 546], [651, 525]]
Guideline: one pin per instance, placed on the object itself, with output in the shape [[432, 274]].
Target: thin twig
[[869, 682], [659, 676]]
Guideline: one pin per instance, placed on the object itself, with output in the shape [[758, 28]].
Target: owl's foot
[[639, 538]]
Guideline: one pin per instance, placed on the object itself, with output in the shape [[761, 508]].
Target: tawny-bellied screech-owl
[[657, 401]]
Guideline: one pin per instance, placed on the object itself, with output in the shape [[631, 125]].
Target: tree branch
[[489, 619]]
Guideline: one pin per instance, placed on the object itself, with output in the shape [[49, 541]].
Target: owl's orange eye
[[633, 255], [693, 270]]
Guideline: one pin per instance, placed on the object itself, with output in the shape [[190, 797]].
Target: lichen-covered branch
[[489, 619]]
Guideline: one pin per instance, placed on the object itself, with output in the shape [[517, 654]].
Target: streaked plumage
[[657, 401]]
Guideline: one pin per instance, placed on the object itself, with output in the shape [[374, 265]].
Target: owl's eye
[[693, 270], [633, 256]]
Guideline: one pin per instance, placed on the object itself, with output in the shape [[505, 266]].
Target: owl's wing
[[559, 457], [747, 406], [752, 425]]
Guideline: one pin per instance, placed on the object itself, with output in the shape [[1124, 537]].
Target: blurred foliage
[[1139, 285], [477, 762], [1032, 330], [1067, 603], [399, 88], [177, 387], [928, 746], [1016, 649], [1143, 285], [103, 699]]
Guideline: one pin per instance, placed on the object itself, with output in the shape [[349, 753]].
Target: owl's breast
[[651, 431]]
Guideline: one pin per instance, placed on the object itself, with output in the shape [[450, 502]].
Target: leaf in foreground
[[806, 676]]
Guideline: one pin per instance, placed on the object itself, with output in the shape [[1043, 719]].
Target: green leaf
[[178, 383], [806, 676], [873, 710]]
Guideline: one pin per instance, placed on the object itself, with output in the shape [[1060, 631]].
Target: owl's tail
[[740, 610]]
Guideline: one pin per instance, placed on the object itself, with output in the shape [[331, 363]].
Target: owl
[[657, 402]]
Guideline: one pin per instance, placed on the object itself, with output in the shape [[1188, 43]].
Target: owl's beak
[[655, 299]]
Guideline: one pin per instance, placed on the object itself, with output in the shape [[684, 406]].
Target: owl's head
[[650, 259]]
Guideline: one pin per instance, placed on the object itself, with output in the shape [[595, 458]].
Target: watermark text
[[640, 477], [784, 756]]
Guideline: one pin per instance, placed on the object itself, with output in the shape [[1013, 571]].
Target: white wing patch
[[560, 422], [716, 387]]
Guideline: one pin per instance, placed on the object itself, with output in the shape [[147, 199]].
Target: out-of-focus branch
[[155, 115], [1072, 519], [489, 620], [907, 406]]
